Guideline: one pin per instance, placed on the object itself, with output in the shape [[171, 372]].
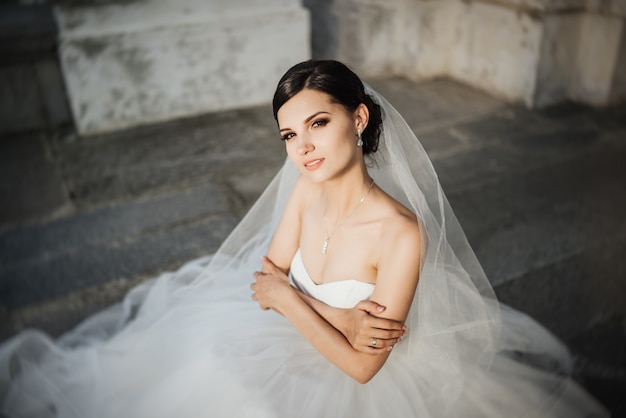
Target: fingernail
[[380, 308], [404, 327], [390, 348]]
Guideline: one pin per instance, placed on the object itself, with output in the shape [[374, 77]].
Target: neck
[[344, 193]]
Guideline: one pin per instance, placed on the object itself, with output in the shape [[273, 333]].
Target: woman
[[374, 238], [192, 343]]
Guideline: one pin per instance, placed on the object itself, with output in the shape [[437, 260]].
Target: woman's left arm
[[397, 278]]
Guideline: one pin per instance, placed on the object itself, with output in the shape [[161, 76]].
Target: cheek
[[291, 150]]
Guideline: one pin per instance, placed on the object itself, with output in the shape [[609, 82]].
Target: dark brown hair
[[340, 83]]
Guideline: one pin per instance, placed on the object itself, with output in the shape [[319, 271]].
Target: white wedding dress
[[214, 353], [192, 343]]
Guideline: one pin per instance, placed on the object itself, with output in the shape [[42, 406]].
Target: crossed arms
[[344, 336]]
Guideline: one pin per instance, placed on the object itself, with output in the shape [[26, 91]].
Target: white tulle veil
[[455, 312], [455, 320]]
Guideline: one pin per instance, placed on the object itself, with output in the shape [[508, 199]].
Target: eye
[[287, 136], [319, 122]]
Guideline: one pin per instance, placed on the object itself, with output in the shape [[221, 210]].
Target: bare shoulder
[[402, 230], [399, 225]]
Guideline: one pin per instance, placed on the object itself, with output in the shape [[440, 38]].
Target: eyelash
[[322, 122], [315, 124]]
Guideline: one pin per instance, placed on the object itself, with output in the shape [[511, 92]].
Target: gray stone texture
[[32, 92], [541, 196], [137, 62]]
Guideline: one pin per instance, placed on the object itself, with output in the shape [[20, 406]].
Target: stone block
[[41, 264], [542, 5], [556, 72], [31, 187], [368, 36], [496, 49], [140, 62], [23, 245], [573, 294], [440, 102], [27, 32], [324, 27], [20, 100], [614, 7], [428, 37], [171, 156], [618, 89], [53, 97], [598, 58]]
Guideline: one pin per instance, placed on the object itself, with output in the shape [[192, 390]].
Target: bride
[[376, 303]]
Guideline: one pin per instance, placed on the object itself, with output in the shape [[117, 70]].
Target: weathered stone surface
[[597, 73], [538, 52], [59, 273], [435, 104], [31, 185], [22, 245], [32, 95], [131, 64], [20, 101], [171, 156]]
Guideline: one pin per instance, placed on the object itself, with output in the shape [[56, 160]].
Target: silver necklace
[[328, 236]]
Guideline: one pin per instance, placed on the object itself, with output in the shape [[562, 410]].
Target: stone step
[[541, 196]]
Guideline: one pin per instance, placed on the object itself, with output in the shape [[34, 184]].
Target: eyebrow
[[307, 120]]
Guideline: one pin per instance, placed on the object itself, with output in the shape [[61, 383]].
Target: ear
[[361, 117]]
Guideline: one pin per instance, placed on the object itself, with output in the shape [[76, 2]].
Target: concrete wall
[[539, 52], [134, 62], [496, 49], [599, 48]]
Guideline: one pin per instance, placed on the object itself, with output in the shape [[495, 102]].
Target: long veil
[[455, 320]]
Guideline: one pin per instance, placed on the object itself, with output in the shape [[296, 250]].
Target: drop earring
[[359, 143]]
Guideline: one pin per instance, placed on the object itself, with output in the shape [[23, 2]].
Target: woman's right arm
[[360, 324]]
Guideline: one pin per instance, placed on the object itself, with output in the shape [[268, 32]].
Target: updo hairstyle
[[340, 83]]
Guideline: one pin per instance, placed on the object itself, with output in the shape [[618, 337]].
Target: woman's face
[[320, 136]]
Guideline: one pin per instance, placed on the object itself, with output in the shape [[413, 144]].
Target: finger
[[380, 342], [384, 323], [371, 307], [384, 334], [373, 350]]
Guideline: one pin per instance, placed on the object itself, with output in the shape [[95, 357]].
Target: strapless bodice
[[340, 294]]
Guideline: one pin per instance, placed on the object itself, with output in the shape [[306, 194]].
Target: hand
[[361, 328], [271, 286]]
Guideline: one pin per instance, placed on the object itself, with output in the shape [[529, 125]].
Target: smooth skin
[[377, 243]]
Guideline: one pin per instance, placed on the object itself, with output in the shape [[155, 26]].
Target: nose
[[304, 145]]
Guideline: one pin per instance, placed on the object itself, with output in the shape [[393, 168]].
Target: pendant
[[325, 246]]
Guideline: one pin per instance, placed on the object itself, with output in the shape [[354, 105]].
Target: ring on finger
[[374, 342]]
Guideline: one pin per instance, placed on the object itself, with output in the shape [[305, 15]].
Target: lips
[[313, 164]]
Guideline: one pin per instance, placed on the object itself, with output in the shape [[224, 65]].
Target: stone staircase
[[540, 194]]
